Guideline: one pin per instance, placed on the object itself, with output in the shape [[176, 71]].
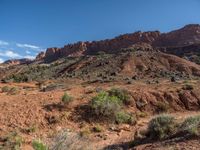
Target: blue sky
[[30, 26]]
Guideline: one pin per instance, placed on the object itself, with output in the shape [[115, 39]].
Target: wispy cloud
[[14, 50], [10, 54], [27, 46], [28, 52], [3, 43], [1, 60]]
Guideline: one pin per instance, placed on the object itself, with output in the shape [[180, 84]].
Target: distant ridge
[[173, 42]]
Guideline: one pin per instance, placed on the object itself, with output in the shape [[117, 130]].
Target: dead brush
[[70, 140]]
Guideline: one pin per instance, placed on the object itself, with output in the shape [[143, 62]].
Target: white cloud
[[10, 50], [3, 43], [1, 60], [28, 52], [29, 57], [10, 54], [27, 46]]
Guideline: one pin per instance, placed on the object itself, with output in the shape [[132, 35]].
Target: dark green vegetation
[[163, 127], [123, 117], [10, 90], [102, 67], [12, 141], [191, 126], [66, 99], [110, 105], [38, 145], [188, 87], [162, 107], [38, 72]]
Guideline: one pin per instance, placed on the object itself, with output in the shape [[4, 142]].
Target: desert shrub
[[142, 114], [97, 128], [12, 141], [123, 117], [40, 84], [51, 87], [129, 49], [31, 129], [66, 99], [85, 132], [99, 89], [38, 145], [188, 87], [101, 53], [162, 107], [161, 127], [19, 78], [5, 89], [105, 105], [191, 125], [10, 90], [129, 82], [121, 94], [109, 105], [70, 141], [173, 79], [13, 91]]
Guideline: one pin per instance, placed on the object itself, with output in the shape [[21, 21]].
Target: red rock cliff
[[187, 35], [109, 46]]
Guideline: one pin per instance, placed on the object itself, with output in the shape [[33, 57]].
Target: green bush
[[191, 125], [121, 94], [12, 141], [101, 53], [123, 117], [162, 107], [13, 91], [19, 78], [97, 128], [142, 114], [161, 127], [38, 145], [188, 87], [67, 140], [10, 90], [5, 89], [66, 99], [109, 104], [31, 129], [105, 105], [85, 132]]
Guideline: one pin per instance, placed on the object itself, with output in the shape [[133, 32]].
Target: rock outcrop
[[108, 46], [188, 35], [40, 56], [185, 36]]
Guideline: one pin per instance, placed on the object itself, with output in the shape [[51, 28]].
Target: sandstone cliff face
[[123, 41], [40, 56], [187, 35], [52, 53], [108, 46]]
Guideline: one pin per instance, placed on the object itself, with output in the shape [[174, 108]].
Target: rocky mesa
[[188, 35]]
